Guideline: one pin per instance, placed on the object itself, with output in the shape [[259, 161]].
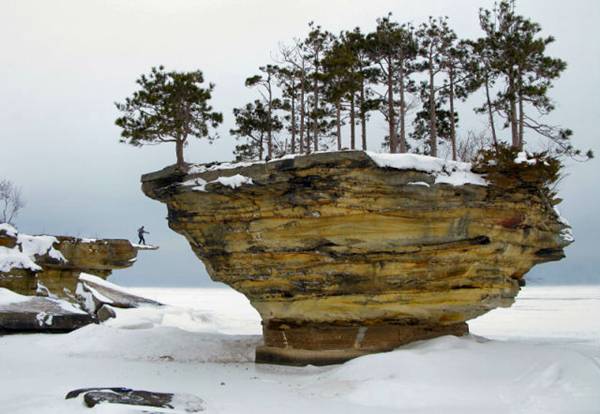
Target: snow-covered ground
[[540, 356]]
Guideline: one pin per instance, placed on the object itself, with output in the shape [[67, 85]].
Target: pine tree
[[383, 45], [393, 50], [265, 83], [288, 80], [337, 79], [407, 53], [361, 74], [168, 107], [520, 59], [480, 58], [434, 37], [253, 125], [458, 83], [445, 123], [296, 64], [314, 48]]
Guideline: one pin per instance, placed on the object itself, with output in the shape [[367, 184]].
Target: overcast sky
[[64, 63]]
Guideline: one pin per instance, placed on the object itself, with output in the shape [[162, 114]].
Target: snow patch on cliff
[[445, 172], [566, 234], [234, 181], [524, 157], [8, 229], [23, 255]]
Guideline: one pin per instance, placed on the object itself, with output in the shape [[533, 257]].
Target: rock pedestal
[[349, 253]]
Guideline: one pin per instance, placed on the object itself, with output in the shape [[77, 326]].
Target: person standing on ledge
[[141, 233]]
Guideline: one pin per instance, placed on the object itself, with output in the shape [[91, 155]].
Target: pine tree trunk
[[179, 143], [302, 110], [293, 120], [316, 109], [391, 123], [338, 124], [261, 148], [352, 123], [452, 121], [270, 129], [521, 119], [432, 112], [513, 113], [491, 113], [363, 118], [402, 139]]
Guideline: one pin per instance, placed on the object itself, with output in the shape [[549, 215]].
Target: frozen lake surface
[[542, 355]]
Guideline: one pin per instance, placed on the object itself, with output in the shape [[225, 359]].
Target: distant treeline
[[320, 92]]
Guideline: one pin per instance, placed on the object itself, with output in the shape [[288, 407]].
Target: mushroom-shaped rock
[[349, 253]]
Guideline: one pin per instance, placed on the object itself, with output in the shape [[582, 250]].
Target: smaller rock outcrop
[[51, 265], [44, 273]]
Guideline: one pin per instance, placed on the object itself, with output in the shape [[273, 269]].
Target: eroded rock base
[[323, 344]]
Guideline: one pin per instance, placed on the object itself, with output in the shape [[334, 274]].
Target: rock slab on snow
[[126, 396], [37, 314], [106, 293]]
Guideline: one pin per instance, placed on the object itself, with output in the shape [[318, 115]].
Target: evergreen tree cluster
[[321, 91]]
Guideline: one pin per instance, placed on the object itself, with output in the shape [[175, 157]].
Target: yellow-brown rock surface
[[342, 257]]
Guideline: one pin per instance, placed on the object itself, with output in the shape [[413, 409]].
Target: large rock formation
[[349, 253], [40, 280]]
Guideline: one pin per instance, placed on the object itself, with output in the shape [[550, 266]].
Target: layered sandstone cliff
[[349, 253]]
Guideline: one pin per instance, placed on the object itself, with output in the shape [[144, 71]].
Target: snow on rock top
[[198, 169], [522, 157], [86, 277], [235, 181], [11, 300], [8, 229], [39, 246], [8, 297], [22, 256], [143, 247], [446, 172], [15, 259]]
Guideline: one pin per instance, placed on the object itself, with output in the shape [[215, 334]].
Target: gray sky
[[63, 64]]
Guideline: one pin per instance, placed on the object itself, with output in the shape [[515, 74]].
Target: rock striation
[[349, 253]]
